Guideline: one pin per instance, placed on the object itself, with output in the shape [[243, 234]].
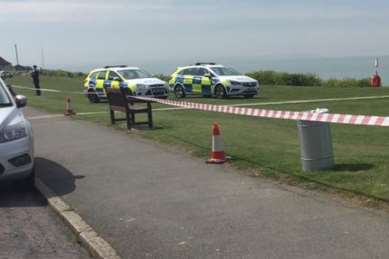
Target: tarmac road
[[29, 229], [151, 201]]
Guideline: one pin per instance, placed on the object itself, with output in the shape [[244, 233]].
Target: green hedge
[[162, 77], [281, 78], [299, 79], [62, 73], [347, 82]]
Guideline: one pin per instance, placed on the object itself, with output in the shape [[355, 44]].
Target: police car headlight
[[13, 132], [235, 83]]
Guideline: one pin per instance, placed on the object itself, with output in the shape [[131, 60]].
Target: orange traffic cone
[[68, 107], [217, 155]]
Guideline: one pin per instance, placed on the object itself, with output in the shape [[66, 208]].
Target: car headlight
[[13, 132], [235, 83]]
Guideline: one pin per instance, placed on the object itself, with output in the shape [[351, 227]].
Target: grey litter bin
[[315, 144]]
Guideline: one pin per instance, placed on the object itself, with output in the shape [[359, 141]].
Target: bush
[[281, 78], [62, 73], [162, 77], [347, 82], [298, 79]]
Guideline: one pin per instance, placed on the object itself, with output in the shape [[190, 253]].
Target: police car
[[210, 79], [138, 81]]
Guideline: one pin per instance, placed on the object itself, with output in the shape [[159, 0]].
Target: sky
[[79, 34]]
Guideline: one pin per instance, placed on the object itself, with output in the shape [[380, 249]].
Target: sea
[[326, 68]]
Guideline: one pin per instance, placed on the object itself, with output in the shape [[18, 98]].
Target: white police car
[[210, 79], [138, 81]]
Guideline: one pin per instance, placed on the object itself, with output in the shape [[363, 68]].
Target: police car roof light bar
[[115, 66], [205, 63]]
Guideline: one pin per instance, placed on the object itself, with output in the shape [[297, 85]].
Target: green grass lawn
[[269, 146]]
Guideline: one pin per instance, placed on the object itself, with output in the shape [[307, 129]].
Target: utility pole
[[16, 54]]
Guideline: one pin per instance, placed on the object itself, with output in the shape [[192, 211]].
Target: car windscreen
[[225, 71], [134, 74], [5, 100]]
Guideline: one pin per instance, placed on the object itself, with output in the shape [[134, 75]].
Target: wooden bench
[[121, 101]]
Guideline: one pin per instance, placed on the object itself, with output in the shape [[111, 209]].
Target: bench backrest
[[117, 97]]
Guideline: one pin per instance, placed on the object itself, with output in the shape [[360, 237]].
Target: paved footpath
[[151, 201], [29, 229]]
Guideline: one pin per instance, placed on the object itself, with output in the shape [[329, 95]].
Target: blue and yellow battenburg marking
[[196, 84]]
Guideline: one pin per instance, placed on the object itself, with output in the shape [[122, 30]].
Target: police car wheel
[[220, 92], [93, 98], [179, 91]]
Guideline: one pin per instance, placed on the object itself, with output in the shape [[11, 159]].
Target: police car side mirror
[[21, 101], [116, 79], [208, 75]]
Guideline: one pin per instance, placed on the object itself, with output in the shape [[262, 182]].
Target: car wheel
[[220, 92], [28, 183], [249, 96], [179, 91], [93, 97]]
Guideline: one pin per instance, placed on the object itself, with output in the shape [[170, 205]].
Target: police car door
[[188, 80], [100, 80], [114, 79], [92, 80], [196, 81], [205, 81]]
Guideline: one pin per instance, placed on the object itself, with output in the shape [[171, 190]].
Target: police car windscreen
[[4, 97], [225, 71], [134, 74]]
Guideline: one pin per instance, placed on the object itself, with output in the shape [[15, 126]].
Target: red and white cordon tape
[[351, 119]]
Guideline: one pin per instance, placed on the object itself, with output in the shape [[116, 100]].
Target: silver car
[[16, 139]]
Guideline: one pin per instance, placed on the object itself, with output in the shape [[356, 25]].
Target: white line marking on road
[[41, 117], [34, 89], [90, 113], [52, 116]]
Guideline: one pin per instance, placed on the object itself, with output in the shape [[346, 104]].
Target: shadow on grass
[[353, 167]]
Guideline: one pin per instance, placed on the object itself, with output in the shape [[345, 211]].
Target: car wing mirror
[[21, 101], [116, 79], [208, 75]]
